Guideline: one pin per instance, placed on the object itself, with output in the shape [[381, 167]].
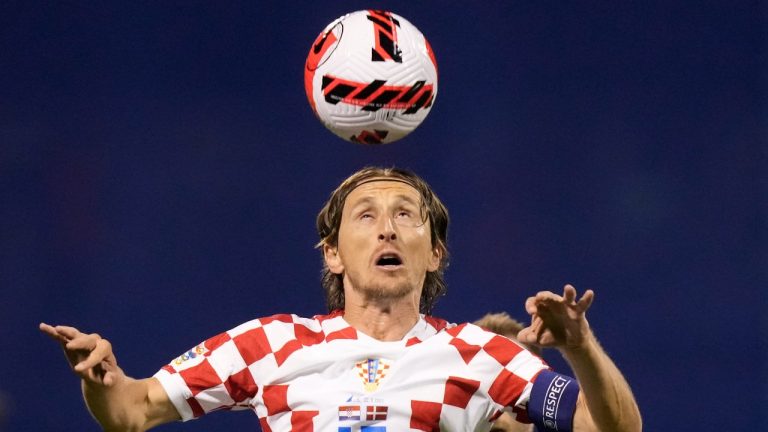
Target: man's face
[[384, 247]]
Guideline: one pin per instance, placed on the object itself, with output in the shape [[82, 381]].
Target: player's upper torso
[[321, 374]]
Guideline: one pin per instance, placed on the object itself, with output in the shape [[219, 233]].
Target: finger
[[52, 333], [541, 330], [69, 332], [539, 333], [569, 294], [109, 379], [586, 300], [547, 297], [537, 327], [526, 335], [530, 305], [84, 342], [101, 352]]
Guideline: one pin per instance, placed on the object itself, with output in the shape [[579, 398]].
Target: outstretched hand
[[89, 355], [557, 321]]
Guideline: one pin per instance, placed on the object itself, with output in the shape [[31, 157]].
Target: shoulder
[[471, 332], [280, 328], [470, 338]]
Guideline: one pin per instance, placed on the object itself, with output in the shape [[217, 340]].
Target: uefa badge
[[372, 371]]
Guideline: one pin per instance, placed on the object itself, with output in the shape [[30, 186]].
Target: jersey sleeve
[[512, 387], [212, 376], [533, 393], [509, 369]]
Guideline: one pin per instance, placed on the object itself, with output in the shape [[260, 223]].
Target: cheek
[[353, 239], [421, 231], [423, 237]]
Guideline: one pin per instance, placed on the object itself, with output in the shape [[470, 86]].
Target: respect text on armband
[[552, 401]]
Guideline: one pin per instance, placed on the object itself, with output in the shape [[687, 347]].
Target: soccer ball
[[371, 77]]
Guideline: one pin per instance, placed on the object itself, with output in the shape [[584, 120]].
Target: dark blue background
[[161, 171]]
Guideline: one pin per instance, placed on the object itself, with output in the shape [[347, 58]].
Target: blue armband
[[553, 402]]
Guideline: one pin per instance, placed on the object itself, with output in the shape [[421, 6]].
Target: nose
[[388, 232]]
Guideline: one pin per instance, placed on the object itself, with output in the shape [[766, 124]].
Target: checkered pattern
[[298, 373]]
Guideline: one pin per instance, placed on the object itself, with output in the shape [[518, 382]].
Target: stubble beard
[[378, 290]]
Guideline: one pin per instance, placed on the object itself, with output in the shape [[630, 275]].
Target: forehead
[[375, 188]]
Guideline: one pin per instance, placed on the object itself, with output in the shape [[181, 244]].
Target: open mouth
[[389, 261]]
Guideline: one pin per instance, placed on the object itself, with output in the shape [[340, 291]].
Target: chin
[[382, 291]]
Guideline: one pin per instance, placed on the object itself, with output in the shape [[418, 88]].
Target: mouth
[[389, 261]]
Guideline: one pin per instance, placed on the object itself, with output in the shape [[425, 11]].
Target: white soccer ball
[[371, 77]]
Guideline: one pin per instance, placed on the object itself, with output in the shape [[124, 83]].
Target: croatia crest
[[372, 371]]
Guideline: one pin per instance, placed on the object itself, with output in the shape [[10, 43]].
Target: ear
[[434, 260], [332, 259]]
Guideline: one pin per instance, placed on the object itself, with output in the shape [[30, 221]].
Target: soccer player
[[378, 361]]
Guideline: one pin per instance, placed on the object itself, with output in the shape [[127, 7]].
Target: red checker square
[[276, 399], [413, 341], [466, 350], [301, 421], [454, 331], [200, 377], [458, 391], [264, 425], [425, 416], [241, 385], [506, 388], [289, 348], [345, 333], [286, 318], [306, 336], [216, 341], [252, 345], [502, 349], [197, 410], [334, 314], [169, 369], [437, 323]]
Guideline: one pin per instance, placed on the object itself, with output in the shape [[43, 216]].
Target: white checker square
[[226, 360]]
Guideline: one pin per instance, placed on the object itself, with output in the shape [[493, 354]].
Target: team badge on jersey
[[372, 371]]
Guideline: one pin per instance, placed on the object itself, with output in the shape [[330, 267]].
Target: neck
[[383, 319]]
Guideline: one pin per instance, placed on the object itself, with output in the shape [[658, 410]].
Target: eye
[[403, 214]]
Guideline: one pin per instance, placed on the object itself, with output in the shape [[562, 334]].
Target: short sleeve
[[212, 376]]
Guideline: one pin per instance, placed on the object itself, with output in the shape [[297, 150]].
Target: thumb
[[526, 335]]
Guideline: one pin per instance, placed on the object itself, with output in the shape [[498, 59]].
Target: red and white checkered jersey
[[321, 374]]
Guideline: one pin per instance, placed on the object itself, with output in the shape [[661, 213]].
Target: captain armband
[[553, 402]]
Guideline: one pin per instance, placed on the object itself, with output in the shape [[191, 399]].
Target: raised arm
[[116, 401], [606, 402]]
